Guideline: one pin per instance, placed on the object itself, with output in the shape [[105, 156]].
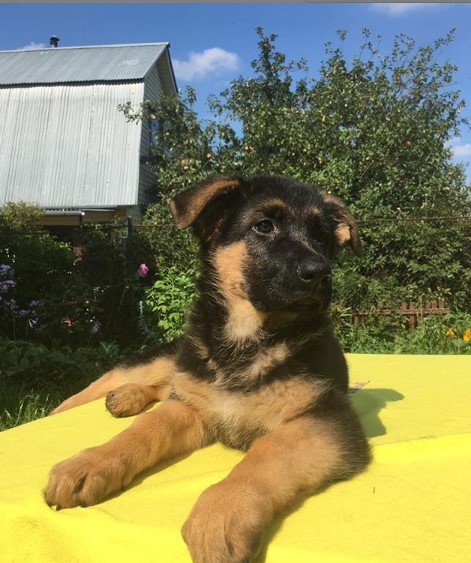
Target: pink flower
[[142, 270]]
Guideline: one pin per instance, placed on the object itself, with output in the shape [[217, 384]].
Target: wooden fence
[[415, 312]]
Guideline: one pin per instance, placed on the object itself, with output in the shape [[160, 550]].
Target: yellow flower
[[467, 335], [450, 332]]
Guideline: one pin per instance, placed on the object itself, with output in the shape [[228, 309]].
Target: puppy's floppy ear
[[188, 205], [346, 230]]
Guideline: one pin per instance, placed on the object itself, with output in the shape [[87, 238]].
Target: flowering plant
[[142, 270], [459, 336], [10, 310]]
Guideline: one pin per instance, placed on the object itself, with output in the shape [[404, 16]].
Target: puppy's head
[[271, 239]]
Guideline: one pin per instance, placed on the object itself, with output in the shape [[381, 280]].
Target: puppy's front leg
[[229, 518], [95, 473]]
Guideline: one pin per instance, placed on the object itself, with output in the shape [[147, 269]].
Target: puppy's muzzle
[[313, 275]]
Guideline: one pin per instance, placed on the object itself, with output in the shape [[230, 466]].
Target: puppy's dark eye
[[264, 227], [321, 236]]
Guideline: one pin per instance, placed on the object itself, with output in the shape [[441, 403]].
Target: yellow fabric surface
[[412, 505]]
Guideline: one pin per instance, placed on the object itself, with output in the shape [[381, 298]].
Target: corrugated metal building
[[63, 143]]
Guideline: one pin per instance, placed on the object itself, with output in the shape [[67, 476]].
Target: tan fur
[[267, 359], [244, 320], [203, 353], [201, 350], [132, 398], [277, 470], [156, 373], [241, 417], [347, 230], [275, 202], [184, 215], [343, 233]]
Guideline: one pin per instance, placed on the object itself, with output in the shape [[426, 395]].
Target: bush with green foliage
[[168, 246], [51, 295], [39, 269], [167, 302]]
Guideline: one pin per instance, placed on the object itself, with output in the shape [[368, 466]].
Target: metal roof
[[62, 65]]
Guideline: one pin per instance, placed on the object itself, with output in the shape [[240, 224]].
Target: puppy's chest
[[236, 418], [246, 369]]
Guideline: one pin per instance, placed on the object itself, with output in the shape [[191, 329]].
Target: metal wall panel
[[68, 146]]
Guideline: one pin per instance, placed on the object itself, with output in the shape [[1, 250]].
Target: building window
[[155, 125]]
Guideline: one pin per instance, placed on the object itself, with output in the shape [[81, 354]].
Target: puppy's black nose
[[313, 273]]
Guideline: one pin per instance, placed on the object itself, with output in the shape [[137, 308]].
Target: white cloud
[[460, 149], [210, 61], [401, 8], [31, 46]]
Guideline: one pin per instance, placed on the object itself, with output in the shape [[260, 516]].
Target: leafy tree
[[373, 130]]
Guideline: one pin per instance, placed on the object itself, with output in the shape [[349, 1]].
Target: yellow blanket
[[412, 505]]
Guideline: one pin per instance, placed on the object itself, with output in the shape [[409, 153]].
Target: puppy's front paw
[[225, 525], [84, 479], [127, 400]]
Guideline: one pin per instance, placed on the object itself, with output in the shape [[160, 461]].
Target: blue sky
[[212, 43]]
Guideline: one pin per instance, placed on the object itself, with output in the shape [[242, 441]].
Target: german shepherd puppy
[[258, 369]]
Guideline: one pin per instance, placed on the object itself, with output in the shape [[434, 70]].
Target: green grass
[[35, 378], [25, 408]]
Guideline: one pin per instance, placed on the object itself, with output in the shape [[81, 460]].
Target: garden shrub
[[170, 247], [168, 300], [51, 295], [35, 273]]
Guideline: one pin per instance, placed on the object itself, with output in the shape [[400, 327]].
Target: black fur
[[287, 278], [273, 285]]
